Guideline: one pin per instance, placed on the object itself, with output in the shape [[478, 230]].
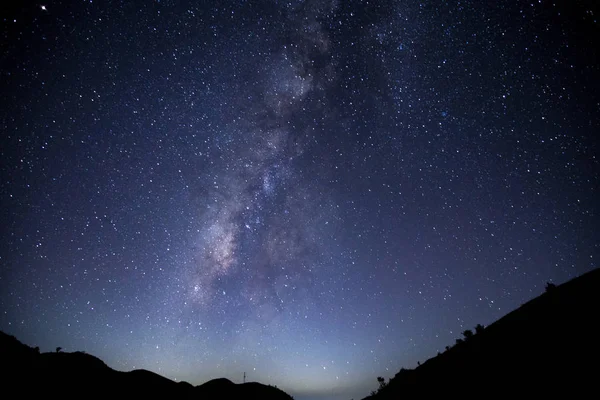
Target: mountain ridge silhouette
[[72, 374], [548, 345]]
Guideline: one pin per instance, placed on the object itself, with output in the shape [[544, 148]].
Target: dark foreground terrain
[[548, 346], [26, 372]]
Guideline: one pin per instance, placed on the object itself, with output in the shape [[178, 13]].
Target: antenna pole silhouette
[[244, 377]]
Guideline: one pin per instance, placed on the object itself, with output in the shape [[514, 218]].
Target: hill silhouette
[[26, 371], [549, 345]]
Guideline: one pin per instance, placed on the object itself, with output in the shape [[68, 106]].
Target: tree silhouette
[[550, 286], [381, 381], [58, 349], [459, 341], [447, 348], [479, 328], [37, 350], [468, 334]]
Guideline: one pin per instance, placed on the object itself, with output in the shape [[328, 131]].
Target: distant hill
[[547, 346], [26, 371]]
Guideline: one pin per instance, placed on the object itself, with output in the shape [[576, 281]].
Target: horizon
[[314, 193]]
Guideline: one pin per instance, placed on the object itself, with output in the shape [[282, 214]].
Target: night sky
[[315, 193]]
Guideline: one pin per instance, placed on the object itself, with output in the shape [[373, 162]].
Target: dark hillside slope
[[229, 390], [549, 344], [27, 372]]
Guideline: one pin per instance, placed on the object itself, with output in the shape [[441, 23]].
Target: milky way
[[314, 193], [258, 206]]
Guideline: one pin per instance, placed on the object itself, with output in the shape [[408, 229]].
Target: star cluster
[[315, 193]]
